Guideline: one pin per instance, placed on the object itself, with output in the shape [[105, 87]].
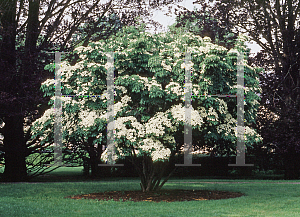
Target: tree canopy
[[149, 97]]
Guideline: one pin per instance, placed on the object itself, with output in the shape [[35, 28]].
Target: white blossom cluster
[[202, 112], [157, 124], [118, 107], [69, 124], [246, 89], [67, 70], [130, 134], [138, 132], [123, 89], [212, 112], [185, 65], [82, 50], [48, 115], [251, 133], [178, 112], [209, 46], [175, 88], [227, 127], [49, 82], [165, 66], [87, 118], [156, 149], [149, 84], [223, 109]]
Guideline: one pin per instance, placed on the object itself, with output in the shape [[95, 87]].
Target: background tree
[[149, 111], [209, 22], [28, 29], [274, 25]]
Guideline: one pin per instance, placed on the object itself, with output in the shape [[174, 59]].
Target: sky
[[166, 21]]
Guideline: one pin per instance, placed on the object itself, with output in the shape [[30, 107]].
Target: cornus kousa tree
[[149, 107]]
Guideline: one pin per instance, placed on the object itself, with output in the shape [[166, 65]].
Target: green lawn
[[46, 199]]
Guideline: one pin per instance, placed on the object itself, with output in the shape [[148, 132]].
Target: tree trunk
[[14, 147], [152, 173], [11, 108], [29, 60], [94, 164], [94, 156]]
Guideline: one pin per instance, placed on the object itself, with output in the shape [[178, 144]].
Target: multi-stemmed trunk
[[151, 173]]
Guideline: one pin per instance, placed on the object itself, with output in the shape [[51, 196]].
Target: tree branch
[[76, 24], [47, 15], [167, 178], [97, 23], [53, 27]]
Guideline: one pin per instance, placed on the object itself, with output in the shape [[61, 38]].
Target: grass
[[47, 199]]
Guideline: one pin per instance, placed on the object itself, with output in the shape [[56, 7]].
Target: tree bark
[[15, 149]]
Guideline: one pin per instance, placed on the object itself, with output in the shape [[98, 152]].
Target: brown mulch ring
[[163, 195]]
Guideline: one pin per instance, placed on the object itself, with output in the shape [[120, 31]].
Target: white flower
[[130, 134], [207, 39], [67, 70], [178, 112], [195, 89], [81, 49], [149, 84], [202, 112], [133, 40], [177, 54], [49, 82], [45, 117], [212, 112], [165, 66], [223, 106], [157, 124], [87, 118], [109, 65], [186, 65], [123, 89], [156, 149], [118, 106], [228, 126], [175, 88], [99, 136]]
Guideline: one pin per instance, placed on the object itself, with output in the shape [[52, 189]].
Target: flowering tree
[[149, 98]]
